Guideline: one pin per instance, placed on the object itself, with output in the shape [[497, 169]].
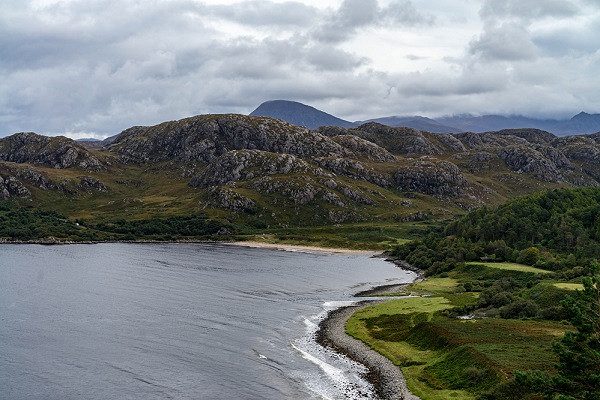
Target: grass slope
[[508, 266], [444, 357]]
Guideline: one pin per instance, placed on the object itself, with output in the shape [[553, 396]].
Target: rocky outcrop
[[356, 195], [91, 184], [224, 197], [533, 136], [480, 161], [353, 169], [364, 149], [489, 140], [11, 187], [55, 152], [579, 148], [240, 165], [450, 143], [442, 179], [523, 159], [301, 190], [402, 141]]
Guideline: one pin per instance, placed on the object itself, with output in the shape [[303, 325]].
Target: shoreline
[[386, 377], [300, 248], [244, 243]]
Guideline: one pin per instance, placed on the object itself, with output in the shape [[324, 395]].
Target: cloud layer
[[95, 67]]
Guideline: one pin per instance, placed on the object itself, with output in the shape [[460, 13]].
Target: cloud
[[352, 15], [266, 13], [96, 67], [507, 42], [528, 9]]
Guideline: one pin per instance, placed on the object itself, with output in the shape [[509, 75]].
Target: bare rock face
[[35, 178], [450, 143], [489, 140], [224, 197], [579, 148], [353, 169], [91, 184], [240, 165], [11, 187], [301, 190], [480, 161], [533, 136], [524, 159], [364, 149], [55, 152], [402, 141], [442, 178], [356, 195]]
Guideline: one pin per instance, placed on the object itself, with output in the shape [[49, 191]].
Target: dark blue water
[[124, 321]]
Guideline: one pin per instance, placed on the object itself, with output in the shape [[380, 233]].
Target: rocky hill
[[55, 152], [259, 171]]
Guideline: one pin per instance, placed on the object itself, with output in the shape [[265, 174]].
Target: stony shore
[[383, 374]]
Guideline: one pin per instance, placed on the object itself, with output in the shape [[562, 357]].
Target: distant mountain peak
[[298, 114], [581, 115]]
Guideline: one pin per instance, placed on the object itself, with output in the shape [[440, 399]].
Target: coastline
[[301, 248], [245, 243], [386, 377], [249, 244]]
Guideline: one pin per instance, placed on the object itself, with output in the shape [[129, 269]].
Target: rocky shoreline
[[386, 377]]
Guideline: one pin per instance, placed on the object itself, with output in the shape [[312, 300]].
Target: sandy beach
[[301, 248]]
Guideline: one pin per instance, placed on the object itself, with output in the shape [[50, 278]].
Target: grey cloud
[[354, 14], [266, 13], [468, 82], [527, 9], [507, 42], [575, 40], [405, 13], [99, 66]]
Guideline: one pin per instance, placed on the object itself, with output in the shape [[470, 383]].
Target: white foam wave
[[340, 377]]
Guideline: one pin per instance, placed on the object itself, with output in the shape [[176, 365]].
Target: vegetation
[[18, 223], [503, 286]]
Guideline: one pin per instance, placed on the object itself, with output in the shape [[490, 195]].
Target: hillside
[[262, 175], [496, 315]]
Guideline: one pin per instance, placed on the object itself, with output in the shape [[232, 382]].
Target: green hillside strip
[[508, 266], [569, 286]]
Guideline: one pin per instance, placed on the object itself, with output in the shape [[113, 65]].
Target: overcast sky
[[95, 67]]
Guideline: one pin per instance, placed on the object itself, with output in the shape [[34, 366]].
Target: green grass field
[[510, 267], [569, 286]]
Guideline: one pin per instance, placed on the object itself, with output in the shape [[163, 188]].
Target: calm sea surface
[[125, 321]]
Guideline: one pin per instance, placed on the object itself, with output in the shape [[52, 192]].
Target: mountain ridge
[[303, 115]]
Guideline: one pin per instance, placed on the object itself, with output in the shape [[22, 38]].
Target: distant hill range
[[303, 115]]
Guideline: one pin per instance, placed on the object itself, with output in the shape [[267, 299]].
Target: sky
[[91, 68]]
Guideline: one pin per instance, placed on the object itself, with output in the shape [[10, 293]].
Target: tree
[[579, 351]]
